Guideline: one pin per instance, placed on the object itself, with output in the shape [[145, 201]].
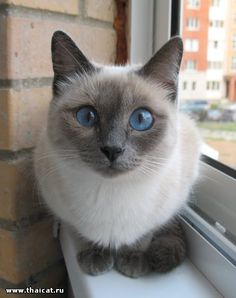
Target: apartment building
[[230, 73], [204, 34], [216, 54]]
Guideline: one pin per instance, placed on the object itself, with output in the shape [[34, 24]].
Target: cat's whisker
[[149, 162], [149, 170], [153, 164], [48, 171], [47, 156], [149, 173], [155, 157], [146, 173]]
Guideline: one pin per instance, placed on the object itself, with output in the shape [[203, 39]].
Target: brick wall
[[29, 255]]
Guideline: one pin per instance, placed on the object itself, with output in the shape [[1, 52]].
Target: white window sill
[[185, 281]]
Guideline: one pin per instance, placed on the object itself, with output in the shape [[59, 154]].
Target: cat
[[117, 160]]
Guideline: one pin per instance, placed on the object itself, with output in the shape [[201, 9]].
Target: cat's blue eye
[[141, 119], [87, 116]]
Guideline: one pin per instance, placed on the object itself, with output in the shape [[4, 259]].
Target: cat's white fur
[[119, 210]]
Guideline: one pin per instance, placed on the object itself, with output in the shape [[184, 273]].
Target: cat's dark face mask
[[112, 121]]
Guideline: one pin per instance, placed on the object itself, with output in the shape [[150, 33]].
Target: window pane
[[193, 4], [208, 74]]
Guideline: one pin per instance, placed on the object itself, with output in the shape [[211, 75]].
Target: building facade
[[230, 74], [207, 67]]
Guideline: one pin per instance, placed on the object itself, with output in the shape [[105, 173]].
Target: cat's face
[[114, 120]]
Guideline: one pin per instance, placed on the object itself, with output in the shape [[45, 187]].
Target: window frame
[[234, 41], [192, 45], [190, 65], [192, 24], [233, 63], [190, 6], [204, 238]]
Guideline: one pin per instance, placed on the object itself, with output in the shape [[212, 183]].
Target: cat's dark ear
[[67, 59], [164, 66]]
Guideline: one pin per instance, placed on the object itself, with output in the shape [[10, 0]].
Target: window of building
[[213, 123], [234, 18], [217, 23], [215, 64], [214, 44], [192, 24], [233, 66], [193, 85], [191, 45], [193, 4], [234, 41], [213, 85], [184, 85], [191, 64], [214, 72], [215, 3]]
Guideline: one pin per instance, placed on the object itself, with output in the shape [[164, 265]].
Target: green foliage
[[214, 106], [225, 126]]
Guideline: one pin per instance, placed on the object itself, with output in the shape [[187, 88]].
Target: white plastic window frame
[[210, 250]]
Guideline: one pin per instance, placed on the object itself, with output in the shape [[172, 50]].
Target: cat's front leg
[[132, 262], [95, 260], [167, 249]]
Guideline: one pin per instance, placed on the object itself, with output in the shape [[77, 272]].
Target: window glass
[[193, 4], [191, 45], [208, 73], [192, 24], [233, 66], [215, 3], [184, 85], [190, 64], [234, 42], [214, 65]]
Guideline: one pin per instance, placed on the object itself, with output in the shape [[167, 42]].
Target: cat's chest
[[113, 214]]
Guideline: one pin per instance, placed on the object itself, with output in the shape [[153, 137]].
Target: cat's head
[[114, 119]]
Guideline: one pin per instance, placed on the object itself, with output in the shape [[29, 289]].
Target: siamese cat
[[117, 160]]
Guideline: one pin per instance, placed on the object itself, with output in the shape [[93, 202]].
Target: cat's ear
[[67, 59], [164, 66]]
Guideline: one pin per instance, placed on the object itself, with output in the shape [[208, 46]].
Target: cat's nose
[[112, 152]]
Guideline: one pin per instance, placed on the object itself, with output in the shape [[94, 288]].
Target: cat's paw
[[95, 261], [132, 263], [166, 253]]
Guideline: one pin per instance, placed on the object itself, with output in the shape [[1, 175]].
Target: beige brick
[[28, 251], [62, 6], [22, 115], [3, 46], [29, 42], [19, 195], [3, 294], [55, 277], [101, 9]]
